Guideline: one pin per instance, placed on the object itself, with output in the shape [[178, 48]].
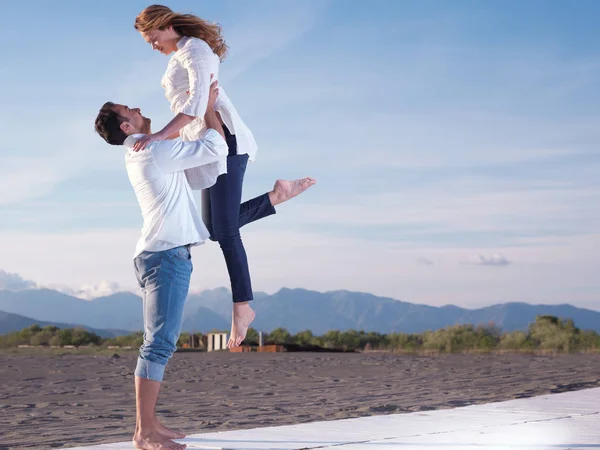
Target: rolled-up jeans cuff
[[149, 370]]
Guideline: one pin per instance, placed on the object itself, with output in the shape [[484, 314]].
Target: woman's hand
[[143, 142]]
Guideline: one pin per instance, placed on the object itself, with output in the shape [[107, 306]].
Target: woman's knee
[[226, 232]]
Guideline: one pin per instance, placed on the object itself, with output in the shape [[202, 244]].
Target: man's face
[[134, 121]]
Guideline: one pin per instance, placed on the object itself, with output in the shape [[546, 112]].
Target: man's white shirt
[[171, 217]]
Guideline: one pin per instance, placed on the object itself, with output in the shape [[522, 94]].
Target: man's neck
[[148, 131]]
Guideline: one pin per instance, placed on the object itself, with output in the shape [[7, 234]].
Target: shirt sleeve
[[176, 155], [197, 61]]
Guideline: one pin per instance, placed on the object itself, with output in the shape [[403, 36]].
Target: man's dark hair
[[108, 125]]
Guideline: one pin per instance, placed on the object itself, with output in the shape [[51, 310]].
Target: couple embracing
[[206, 146]]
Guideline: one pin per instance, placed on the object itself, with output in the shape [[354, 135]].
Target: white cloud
[[71, 259], [493, 260], [14, 282], [91, 291], [472, 208], [563, 271], [424, 261]]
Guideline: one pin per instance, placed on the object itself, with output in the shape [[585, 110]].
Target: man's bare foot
[[167, 432], [285, 190], [164, 431], [241, 318], [155, 441]]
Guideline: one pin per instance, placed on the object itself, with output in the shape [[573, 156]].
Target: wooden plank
[[558, 421]]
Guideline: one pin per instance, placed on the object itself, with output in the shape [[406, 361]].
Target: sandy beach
[[68, 400]]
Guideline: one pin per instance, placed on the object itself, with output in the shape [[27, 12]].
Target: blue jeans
[[223, 216], [165, 279]]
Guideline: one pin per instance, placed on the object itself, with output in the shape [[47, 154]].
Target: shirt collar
[[182, 42], [132, 139]]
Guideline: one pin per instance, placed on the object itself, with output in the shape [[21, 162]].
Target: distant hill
[[298, 309], [122, 311], [294, 309], [14, 322]]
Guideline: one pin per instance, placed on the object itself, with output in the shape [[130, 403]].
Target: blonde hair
[[161, 17]]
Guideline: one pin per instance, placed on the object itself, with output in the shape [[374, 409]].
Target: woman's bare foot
[[285, 190], [167, 432], [155, 441], [241, 318]]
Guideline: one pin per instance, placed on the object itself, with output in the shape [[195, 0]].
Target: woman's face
[[164, 41]]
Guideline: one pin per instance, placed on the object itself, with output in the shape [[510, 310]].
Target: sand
[[60, 401]]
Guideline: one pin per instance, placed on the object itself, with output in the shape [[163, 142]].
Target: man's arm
[[175, 156], [212, 120]]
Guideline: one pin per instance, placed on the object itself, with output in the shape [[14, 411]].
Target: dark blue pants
[[223, 215]]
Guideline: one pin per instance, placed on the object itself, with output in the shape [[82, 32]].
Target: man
[[172, 224], [162, 258]]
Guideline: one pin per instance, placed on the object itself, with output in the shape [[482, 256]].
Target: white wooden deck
[[559, 421]]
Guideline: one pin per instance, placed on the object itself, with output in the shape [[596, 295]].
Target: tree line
[[545, 333]]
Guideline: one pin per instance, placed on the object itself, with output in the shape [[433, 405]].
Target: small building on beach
[[216, 341]]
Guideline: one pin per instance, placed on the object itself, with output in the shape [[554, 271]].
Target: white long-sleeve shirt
[[171, 218], [186, 83]]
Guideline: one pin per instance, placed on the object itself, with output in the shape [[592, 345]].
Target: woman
[[198, 48]]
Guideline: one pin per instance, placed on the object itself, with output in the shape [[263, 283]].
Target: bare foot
[[155, 441], [285, 190], [241, 318], [167, 432]]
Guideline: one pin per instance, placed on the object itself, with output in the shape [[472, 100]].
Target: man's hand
[[213, 94], [211, 118], [144, 141], [176, 123]]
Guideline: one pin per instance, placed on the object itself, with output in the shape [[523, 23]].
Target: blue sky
[[455, 146]]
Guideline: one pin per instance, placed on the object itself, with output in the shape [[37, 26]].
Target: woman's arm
[[173, 136], [173, 127], [195, 59], [170, 131]]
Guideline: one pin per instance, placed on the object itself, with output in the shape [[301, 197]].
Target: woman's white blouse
[[186, 83]]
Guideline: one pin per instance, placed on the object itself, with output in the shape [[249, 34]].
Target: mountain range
[[14, 322], [293, 309]]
